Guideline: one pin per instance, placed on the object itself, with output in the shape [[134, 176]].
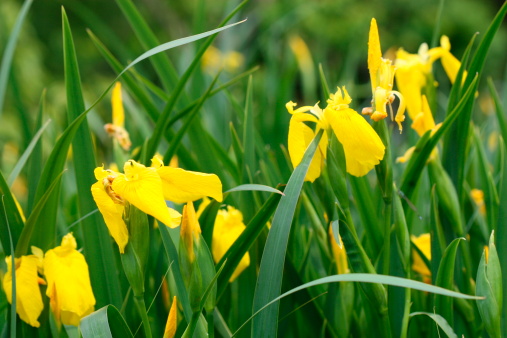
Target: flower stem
[[141, 307]]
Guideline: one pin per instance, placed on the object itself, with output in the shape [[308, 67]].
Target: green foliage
[[216, 105]]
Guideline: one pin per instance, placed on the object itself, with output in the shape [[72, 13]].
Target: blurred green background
[[334, 31]]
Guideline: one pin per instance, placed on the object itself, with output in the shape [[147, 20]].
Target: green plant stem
[[141, 307], [386, 254]]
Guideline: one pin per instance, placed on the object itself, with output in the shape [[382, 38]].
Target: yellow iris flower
[[147, 188], [28, 297], [362, 146], [423, 243], [69, 288], [228, 227], [412, 71], [117, 128], [382, 78]]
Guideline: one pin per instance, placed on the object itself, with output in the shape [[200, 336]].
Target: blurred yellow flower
[[339, 253], [413, 70], [172, 320], [423, 243], [478, 198], [362, 146], [214, 60], [422, 122], [228, 227], [28, 297], [117, 128], [382, 80], [69, 288]]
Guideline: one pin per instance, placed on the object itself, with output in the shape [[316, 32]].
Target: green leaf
[[500, 112], [439, 320], [367, 278], [9, 51], [163, 120], [176, 140], [35, 162], [33, 221], [22, 160], [98, 248], [139, 93], [269, 282], [11, 227], [165, 69], [105, 323], [172, 257], [13, 271], [445, 279], [233, 256], [427, 143], [254, 187]]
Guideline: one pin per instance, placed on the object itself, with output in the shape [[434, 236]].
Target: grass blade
[[12, 226], [28, 151], [98, 245], [368, 278], [269, 282], [440, 321], [9, 51], [105, 322]]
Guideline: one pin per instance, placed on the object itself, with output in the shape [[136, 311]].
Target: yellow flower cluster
[[147, 188], [362, 146], [68, 283]]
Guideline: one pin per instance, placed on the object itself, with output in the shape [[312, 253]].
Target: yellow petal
[[423, 243], [300, 137], [410, 79], [68, 281], [339, 253], [181, 186], [112, 213], [374, 53], [406, 156], [172, 320], [190, 229], [424, 120], [28, 297], [362, 146], [142, 187], [228, 227], [117, 103]]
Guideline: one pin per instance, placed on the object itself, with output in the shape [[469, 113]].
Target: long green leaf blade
[[9, 51], [269, 282], [106, 322]]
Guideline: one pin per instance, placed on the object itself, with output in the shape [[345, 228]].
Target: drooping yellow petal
[[374, 54], [142, 187], [112, 213], [300, 137], [181, 186], [450, 63], [117, 105], [228, 227], [424, 120], [362, 146], [423, 243], [172, 320], [411, 74], [28, 297], [68, 281]]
